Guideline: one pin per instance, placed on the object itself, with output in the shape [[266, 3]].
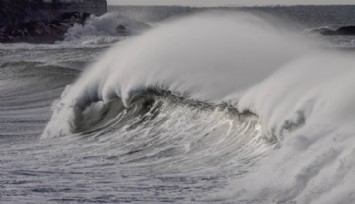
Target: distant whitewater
[[215, 107]]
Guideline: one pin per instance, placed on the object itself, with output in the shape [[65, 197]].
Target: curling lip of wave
[[145, 101]]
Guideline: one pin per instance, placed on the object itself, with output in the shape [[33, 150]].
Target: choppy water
[[215, 107]]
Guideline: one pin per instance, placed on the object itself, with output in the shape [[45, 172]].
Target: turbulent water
[[209, 108]]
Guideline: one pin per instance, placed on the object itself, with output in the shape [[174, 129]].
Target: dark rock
[[43, 21], [344, 30], [122, 30], [129, 26]]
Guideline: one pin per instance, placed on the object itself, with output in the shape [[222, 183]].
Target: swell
[[24, 105]]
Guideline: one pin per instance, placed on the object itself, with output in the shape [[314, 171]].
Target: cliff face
[[23, 20]]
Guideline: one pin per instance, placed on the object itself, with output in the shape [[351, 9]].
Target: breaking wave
[[229, 86], [105, 29]]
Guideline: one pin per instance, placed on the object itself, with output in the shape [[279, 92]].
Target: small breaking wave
[[105, 29]]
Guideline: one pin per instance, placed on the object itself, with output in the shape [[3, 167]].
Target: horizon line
[[232, 6]]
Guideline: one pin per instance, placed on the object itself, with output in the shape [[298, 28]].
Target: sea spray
[[305, 86], [315, 161]]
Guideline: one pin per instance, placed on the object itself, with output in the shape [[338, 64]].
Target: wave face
[[221, 92]]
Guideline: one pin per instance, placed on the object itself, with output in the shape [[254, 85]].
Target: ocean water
[[207, 107]]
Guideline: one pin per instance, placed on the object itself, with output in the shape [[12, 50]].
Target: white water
[[103, 30], [302, 95]]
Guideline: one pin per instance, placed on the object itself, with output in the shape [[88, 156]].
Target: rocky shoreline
[[39, 21]]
